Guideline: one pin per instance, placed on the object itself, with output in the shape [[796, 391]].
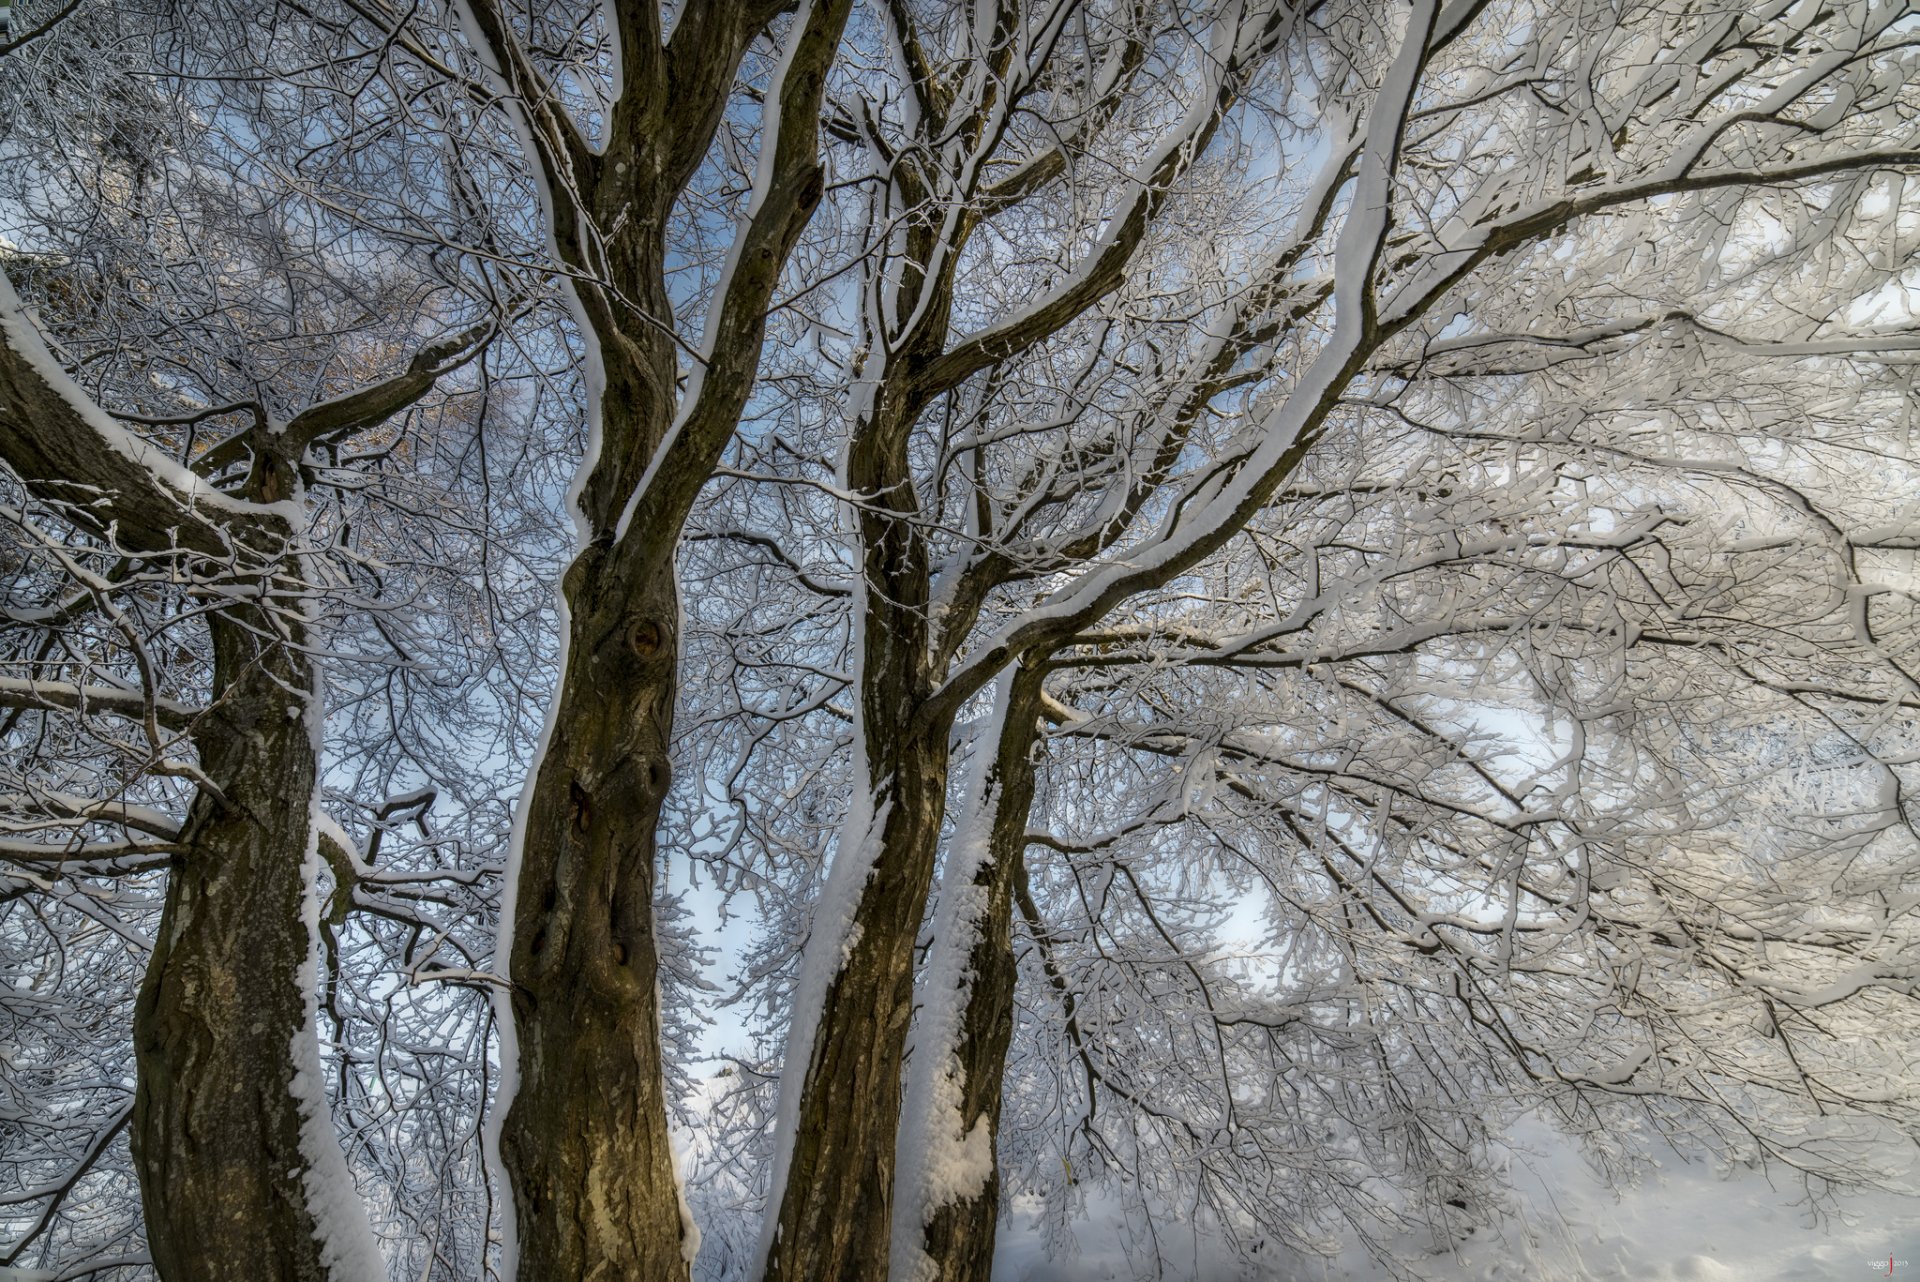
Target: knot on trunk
[[581, 803], [644, 637]]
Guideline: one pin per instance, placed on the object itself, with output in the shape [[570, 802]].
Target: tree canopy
[[1216, 599]]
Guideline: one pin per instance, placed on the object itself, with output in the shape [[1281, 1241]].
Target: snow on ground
[[1681, 1223]]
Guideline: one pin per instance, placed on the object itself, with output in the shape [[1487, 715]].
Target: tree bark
[[223, 1025], [957, 1238], [227, 1068], [835, 1208], [584, 1139], [835, 1216], [586, 1134]]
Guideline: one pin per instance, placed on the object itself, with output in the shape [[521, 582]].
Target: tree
[[1142, 370], [584, 1137], [195, 527]]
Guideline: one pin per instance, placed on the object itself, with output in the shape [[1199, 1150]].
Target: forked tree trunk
[[585, 1139], [241, 1176], [586, 1135]]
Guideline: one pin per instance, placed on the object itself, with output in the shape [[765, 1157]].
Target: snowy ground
[[1683, 1223]]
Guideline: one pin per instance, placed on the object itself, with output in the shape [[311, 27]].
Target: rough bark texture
[[586, 1135], [836, 1209], [216, 1127], [959, 1237], [585, 1139]]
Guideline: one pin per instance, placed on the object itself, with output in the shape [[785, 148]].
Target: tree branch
[[60, 696]]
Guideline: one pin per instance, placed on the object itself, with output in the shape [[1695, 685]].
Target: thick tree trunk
[[835, 1213], [585, 1139], [241, 1177], [956, 1233], [834, 1205]]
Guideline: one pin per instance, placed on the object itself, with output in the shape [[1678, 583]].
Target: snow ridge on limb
[[737, 309], [56, 438], [944, 1156], [1224, 502], [16, 692], [348, 1249], [1211, 510]]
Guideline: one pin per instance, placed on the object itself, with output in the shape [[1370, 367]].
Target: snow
[[23, 338], [144, 818], [826, 953], [947, 1157], [1361, 236], [685, 1157], [326, 826], [1682, 1222], [108, 698], [348, 1250]]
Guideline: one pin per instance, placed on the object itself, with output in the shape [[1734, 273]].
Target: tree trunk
[[833, 1200], [955, 1233], [835, 1212], [585, 1139], [241, 1176]]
